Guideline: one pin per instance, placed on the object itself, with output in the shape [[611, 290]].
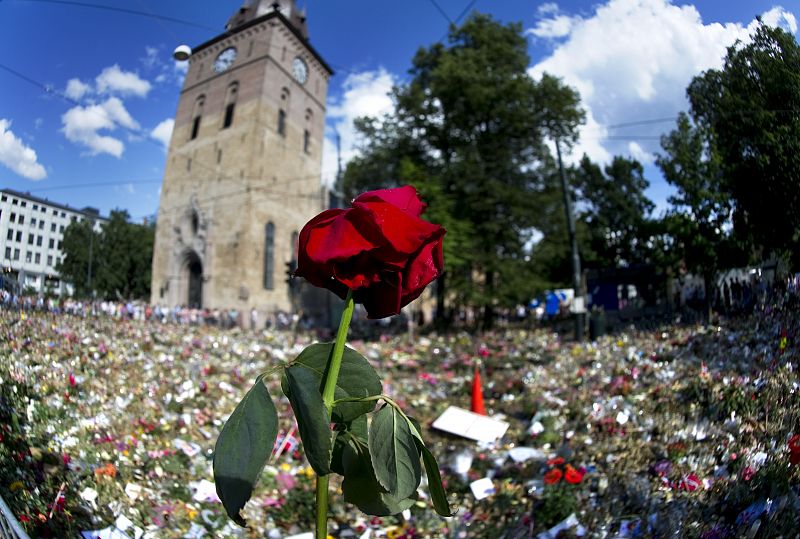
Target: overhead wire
[[128, 11]]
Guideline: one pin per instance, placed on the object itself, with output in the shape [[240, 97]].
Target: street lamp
[[578, 307]]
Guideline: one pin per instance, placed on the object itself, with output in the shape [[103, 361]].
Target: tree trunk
[[488, 308], [441, 320]]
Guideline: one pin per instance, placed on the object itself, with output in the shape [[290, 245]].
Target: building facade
[[31, 232], [243, 172]]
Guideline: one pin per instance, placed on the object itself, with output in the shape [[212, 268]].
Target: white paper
[[470, 425], [106, 533], [482, 488], [205, 491]]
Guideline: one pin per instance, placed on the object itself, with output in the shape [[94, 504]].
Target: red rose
[[553, 476], [380, 249], [572, 475]]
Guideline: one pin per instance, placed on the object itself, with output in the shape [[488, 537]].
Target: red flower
[[572, 475], [794, 443], [556, 461], [380, 249], [553, 476]]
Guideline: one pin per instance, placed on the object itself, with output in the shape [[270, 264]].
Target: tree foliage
[[121, 257], [469, 131], [749, 112]]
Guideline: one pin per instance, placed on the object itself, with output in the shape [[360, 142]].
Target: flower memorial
[[382, 254]]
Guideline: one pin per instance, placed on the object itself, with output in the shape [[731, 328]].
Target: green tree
[[122, 254], [700, 219], [614, 210], [74, 266], [471, 124], [750, 110]]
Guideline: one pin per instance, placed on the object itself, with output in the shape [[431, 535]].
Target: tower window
[[197, 115], [230, 104], [306, 140], [195, 127], [282, 123], [228, 115], [269, 256]]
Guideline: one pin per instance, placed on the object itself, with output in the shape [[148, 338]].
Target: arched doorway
[[195, 270]]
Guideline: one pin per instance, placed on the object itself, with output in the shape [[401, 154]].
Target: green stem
[[334, 365]]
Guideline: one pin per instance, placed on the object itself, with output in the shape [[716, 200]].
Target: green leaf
[[356, 428], [356, 379], [395, 457], [313, 422], [362, 489], [435, 486], [243, 448]]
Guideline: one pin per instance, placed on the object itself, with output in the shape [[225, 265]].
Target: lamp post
[[578, 306]]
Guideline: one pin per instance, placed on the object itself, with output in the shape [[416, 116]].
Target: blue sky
[[103, 146]]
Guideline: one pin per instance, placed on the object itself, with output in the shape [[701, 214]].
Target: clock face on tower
[[300, 70], [225, 59]]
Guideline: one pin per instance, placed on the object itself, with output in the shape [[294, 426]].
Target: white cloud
[[557, 26], [547, 9], [18, 157], [163, 131], [632, 60], [363, 94], [114, 80], [779, 17], [76, 89], [83, 124]]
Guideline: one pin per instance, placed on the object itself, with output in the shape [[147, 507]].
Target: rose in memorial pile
[[379, 253]]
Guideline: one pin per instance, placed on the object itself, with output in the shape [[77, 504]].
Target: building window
[[22, 219], [30, 239], [52, 227], [61, 229], [295, 245], [8, 253], [49, 260], [16, 254], [19, 235], [28, 257], [269, 256], [51, 243], [41, 225], [55, 212], [10, 235], [14, 201], [4, 198], [198, 114], [59, 245], [64, 215], [37, 258], [13, 217], [230, 104], [282, 123], [23, 204], [306, 140], [35, 207], [38, 241], [33, 222]]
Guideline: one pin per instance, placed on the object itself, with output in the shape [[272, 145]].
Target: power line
[[121, 10], [443, 13]]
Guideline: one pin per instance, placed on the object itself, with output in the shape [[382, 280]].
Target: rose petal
[[405, 198]]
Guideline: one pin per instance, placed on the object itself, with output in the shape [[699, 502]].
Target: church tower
[[244, 164]]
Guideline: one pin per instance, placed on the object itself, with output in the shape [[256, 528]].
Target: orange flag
[[477, 394]]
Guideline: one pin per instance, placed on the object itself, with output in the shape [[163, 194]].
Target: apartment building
[[31, 235]]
